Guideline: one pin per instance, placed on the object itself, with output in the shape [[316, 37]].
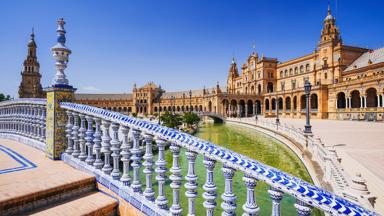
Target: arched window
[[296, 70], [371, 97], [281, 74], [303, 102], [290, 72], [270, 87], [259, 89], [355, 99], [301, 69], [314, 103], [273, 104], [288, 103], [286, 72], [267, 104], [307, 68], [341, 100]]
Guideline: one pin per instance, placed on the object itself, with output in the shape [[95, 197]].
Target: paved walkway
[[360, 145]]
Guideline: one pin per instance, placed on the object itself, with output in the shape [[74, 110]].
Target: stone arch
[[280, 103], [355, 99], [267, 104], [270, 87], [371, 97], [200, 108], [210, 106], [178, 109], [242, 108], [340, 100], [273, 103], [259, 89], [288, 103], [196, 108], [249, 108], [258, 106], [314, 102], [303, 102], [294, 102]]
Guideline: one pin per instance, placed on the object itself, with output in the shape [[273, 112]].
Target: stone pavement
[[29, 180], [359, 144]]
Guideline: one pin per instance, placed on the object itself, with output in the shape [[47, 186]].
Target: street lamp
[[190, 100], [307, 89], [256, 107], [174, 104], [277, 110]]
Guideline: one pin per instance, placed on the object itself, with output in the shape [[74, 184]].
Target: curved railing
[[24, 120], [93, 149]]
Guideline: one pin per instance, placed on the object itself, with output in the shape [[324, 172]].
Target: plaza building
[[347, 84]]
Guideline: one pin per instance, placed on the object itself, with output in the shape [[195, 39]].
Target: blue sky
[[180, 44]]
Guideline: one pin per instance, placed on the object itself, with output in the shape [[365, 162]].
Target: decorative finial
[[61, 54], [329, 8], [33, 33], [233, 60]]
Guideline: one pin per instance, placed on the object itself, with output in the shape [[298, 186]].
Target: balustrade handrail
[[303, 191]]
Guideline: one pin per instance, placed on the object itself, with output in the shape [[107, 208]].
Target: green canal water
[[247, 142]]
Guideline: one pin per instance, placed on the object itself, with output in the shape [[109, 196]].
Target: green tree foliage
[[171, 120], [190, 119], [4, 98]]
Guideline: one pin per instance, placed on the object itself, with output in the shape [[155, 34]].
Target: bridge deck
[[26, 175]]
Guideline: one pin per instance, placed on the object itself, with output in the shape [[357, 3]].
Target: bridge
[[217, 117], [60, 157]]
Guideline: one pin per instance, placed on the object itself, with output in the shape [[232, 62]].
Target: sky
[[180, 44]]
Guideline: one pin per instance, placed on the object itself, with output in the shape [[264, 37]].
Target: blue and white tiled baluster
[[98, 164], [136, 163], [90, 159], [176, 179], [276, 196], [69, 132], [250, 207], [191, 184], [115, 143], [125, 154], [82, 130], [106, 147], [229, 198], [161, 199], [75, 138], [302, 208], [209, 187], [148, 193]]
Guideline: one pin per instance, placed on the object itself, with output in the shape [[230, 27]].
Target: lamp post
[[174, 104], [190, 100], [159, 93], [307, 88], [256, 107], [277, 110]]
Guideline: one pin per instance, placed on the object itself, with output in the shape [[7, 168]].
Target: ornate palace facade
[[347, 83]]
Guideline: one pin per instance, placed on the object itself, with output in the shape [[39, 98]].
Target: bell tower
[[30, 86]]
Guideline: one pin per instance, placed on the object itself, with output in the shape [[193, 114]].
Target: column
[[176, 180], [97, 141], [191, 184], [106, 147], [382, 100], [365, 101], [115, 143], [238, 110], [55, 121], [361, 102], [350, 102], [209, 187], [346, 102], [161, 199], [125, 154], [276, 196], [246, 110], [69, 132], [250, 207], [337, 104], [136, 157], [75, 138], [229, 198], [89, 140], [302, 208], [83, 153], [148, 193], [378, 100]]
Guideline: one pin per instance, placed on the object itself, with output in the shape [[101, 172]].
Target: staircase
[[74, 198]]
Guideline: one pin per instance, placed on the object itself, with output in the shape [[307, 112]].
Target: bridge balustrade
[[116, 147], [24, 119]]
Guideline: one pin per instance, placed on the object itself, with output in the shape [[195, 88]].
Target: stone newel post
[[59, 91]]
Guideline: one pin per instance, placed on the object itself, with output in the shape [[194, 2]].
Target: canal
[[252, 144]]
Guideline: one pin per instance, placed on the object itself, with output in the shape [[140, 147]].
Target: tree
[[4, 98], [171, 120], [190, 119]]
